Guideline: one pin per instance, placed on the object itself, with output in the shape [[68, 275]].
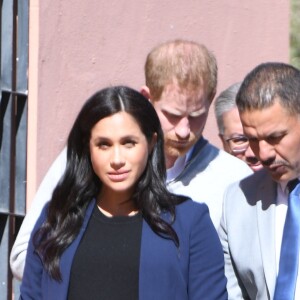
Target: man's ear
[[153, 142], [145, 91], [212, 96]]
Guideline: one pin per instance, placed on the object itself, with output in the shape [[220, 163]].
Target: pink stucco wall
[[77, 47]]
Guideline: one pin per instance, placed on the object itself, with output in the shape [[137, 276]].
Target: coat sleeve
[[31, 287], [43, 195], [233, 285], [206, 268]]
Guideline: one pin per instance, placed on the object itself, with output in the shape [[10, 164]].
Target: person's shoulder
[[218, 158], [250, 190], [220, 154], [190, 206], [192, 216], [260, 179], [61, 160], [230, 159], [231, 162], [42, 217], [212, 155], [254, 180]]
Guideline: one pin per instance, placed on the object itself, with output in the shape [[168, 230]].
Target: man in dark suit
[[257, 212]]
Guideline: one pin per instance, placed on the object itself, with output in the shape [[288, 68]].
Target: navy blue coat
[[195, 270]]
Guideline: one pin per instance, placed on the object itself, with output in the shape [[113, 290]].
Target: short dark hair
[[270, 82]]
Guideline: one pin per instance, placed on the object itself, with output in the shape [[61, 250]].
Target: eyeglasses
[[238, 144]]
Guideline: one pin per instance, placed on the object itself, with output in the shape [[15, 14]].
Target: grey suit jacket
[[247, 234]]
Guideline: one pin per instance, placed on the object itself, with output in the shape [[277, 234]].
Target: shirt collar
[[283, 185], [179, 165]]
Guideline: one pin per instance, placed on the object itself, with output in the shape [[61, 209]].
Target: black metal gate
[[13, 132]]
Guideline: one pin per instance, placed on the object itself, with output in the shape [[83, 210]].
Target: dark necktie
[[289, 254]]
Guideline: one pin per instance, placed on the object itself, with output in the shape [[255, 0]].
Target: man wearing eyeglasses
[[231, 130]]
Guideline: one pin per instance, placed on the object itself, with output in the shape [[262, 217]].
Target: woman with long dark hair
[[112, 230]]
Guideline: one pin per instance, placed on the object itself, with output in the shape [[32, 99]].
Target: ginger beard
[[175, 147]]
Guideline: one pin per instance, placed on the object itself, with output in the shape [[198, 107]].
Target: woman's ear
[[145, 91]]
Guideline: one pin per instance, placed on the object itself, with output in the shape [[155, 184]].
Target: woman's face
[[119, 152]]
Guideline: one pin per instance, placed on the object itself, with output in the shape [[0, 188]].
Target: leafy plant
[[295, 33]]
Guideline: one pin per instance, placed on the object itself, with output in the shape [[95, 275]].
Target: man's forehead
[[182, 109], [187, 89], [268, 123], [272, 111], [176, 96]]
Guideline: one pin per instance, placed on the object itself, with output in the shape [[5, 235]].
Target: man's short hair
[[186, 63], [270, 82]]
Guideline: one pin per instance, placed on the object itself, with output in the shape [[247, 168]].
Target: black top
[[106, 263]]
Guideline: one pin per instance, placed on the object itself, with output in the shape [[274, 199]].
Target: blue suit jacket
[[195, 270]]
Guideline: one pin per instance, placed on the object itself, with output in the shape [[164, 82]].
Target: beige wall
[[77, 47]]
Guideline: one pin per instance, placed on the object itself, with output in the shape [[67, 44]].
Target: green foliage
[[295, 33]]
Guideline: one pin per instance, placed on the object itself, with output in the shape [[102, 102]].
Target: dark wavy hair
[[79, 184]]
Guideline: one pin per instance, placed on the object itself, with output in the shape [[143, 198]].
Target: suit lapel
[[266, 204]]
